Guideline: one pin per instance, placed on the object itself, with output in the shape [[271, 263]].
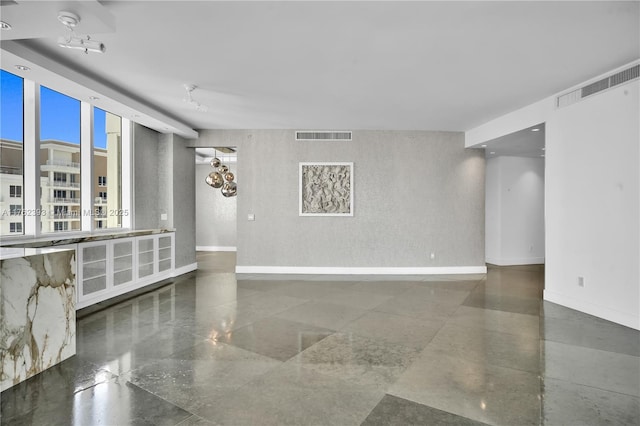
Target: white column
[[127, 154]]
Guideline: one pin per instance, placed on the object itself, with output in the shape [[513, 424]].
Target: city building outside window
[[59, 159], [107, 165], [15, 209], [61, 226]]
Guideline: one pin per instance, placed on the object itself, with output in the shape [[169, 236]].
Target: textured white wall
[[145, 178], [163, 184], [416, 192]]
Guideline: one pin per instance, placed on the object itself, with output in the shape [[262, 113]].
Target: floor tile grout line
[[578, 345], [594, 387], [159, 397]]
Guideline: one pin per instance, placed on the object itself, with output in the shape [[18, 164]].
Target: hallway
[[464, 350]]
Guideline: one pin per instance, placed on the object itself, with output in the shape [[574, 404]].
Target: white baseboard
[[215, 248], [184, 269], [622, 318], [516, 261], [330, 270]]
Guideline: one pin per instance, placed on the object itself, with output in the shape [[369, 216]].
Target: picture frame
[[326, 189]]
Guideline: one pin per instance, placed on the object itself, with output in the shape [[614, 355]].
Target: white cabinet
[[113, 267], [155, 255], [123, 261], [146, 256]]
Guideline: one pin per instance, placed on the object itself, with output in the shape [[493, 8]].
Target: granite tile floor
[[212, 349]]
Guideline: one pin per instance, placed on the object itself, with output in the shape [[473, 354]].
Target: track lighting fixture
[[72, 41], [85, 44]]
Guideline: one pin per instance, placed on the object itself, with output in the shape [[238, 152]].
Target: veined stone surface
[[37, 314]]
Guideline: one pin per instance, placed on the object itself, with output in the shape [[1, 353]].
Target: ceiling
[[205, 155], [527, 142], [321, 65]]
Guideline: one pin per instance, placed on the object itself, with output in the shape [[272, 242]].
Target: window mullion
[[86, 166], [31, 158]]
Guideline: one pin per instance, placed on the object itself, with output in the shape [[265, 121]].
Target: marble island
[[37, 311]]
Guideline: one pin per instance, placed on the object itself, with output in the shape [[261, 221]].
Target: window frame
[[32, 192]]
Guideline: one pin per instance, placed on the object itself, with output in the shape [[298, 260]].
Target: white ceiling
[[322, 65], [527, 142], [205, 155]]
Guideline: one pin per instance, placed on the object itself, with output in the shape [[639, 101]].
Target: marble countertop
[[60, 239], [7, 253]]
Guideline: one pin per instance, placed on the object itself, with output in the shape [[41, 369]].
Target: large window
[[80, 160], [59, 160], [107, 169], [11, 152]]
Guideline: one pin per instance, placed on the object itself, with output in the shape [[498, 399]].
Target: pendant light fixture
[[221, 177]]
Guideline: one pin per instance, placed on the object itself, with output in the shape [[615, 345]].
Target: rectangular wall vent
[[323, 136], [598, 86]]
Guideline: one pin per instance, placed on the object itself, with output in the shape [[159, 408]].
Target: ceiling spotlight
[[71, 41], [5, 25], [22, 67], [535, 129]]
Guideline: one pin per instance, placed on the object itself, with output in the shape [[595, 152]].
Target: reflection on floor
[[208, 349]]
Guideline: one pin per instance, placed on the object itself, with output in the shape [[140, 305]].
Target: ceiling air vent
[[323, 136], [598, 86]]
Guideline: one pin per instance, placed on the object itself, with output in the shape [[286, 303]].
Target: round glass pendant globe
[[229, 189], [214, 179]]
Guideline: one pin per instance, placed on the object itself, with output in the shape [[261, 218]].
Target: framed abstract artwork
[[326, 189]]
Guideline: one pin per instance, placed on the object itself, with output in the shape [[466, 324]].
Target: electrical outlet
[[580, 281]]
